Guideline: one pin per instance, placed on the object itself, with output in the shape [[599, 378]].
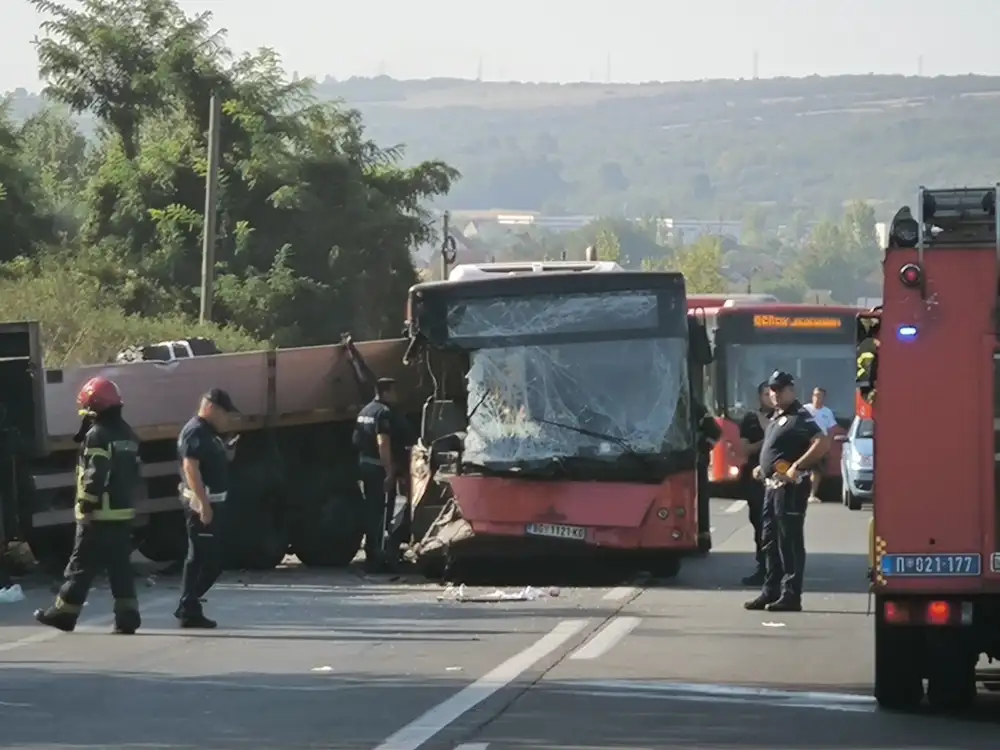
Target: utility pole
[[756, 65], [449, 248], [211, 206]]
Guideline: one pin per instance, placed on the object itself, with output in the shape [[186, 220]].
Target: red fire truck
[[936, 528], [816, 343]]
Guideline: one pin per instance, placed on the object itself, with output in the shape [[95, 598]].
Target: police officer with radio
[[752, 428], [381, 438], [205, 482], [793, 445]]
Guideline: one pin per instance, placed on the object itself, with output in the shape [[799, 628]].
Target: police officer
[[381, 439], [752, 434], [708, 433], [793, 445], [204, 483], [108, 478]]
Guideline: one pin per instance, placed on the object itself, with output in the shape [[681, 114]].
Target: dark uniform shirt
[[200, 441], [707, 429], [109, 473], [787, 437], [752, 431], [378, 418]]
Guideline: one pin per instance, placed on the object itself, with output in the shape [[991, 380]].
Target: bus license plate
[[557, 531], [932, 565]]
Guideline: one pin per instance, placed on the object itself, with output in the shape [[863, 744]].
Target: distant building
[[686, 231], [473, 221]]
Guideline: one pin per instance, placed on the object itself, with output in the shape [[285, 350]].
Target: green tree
[[24, 223], [607, 246], [109, 57], [701, 264], [315, 219]]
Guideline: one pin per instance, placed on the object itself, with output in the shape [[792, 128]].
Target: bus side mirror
[[701, 349]]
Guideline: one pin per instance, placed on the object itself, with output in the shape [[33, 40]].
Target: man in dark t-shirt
[[752, 434]]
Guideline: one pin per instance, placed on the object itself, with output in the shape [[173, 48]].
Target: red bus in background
[[751, 339]]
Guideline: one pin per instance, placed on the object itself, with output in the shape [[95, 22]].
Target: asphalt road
[[311, 660]]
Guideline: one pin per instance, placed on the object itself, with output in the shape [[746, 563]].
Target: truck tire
[[899, 682], [253, 520], [164, 538], [951, 671], [328, 525]]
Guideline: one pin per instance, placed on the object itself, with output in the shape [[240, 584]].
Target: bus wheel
[[665, 565], [951, 672], [899, 682]]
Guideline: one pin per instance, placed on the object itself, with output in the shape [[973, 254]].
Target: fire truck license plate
[[932, 565], [557, 530]]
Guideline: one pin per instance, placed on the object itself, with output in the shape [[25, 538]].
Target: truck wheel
[[899, 682], [327, 530], [51, 547], [253, 521], [164, 538], [951, 672], [853, 501]]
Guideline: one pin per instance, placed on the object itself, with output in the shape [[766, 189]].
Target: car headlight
[[859, 462]]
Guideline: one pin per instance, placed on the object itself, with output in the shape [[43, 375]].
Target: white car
[[857, 463]]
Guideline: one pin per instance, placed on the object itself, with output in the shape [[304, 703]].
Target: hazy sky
[[559, 40]]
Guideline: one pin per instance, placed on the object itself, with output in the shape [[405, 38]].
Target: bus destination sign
[[806, 323]]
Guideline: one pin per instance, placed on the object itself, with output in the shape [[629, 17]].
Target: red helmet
[[97, 395]]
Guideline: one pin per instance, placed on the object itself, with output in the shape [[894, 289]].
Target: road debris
[[527, 594], [11, 594]]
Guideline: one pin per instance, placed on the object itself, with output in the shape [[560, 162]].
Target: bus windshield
[[539, 402], [830, 366], [592, 375]]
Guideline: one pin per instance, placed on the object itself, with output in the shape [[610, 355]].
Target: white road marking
[[695, 692], [618, 593], [736, 506], [473, 746], [606, 638], [86, 625], [419, 731]]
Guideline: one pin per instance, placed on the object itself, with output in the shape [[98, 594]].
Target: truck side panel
[[935, 489], [291, 386]]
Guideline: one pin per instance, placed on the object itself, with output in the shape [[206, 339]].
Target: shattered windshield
[[635, 392], [829, 366]]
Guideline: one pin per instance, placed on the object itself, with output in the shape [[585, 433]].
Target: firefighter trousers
[[100, 546]]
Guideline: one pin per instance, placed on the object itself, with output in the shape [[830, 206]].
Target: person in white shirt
[[823, 417]]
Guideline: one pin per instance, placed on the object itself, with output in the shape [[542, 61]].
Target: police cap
[[780, 379], [222, 399], [384, 385]]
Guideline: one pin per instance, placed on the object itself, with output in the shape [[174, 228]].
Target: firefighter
[[793, 445], [868, 362], [381, 439], [108, 478]]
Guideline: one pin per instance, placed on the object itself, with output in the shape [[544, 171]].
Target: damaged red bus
[[562, 421]]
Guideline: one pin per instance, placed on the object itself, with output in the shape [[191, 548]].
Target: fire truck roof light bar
[[950, 208]]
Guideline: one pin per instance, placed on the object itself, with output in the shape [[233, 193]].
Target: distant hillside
[[706, 149]]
